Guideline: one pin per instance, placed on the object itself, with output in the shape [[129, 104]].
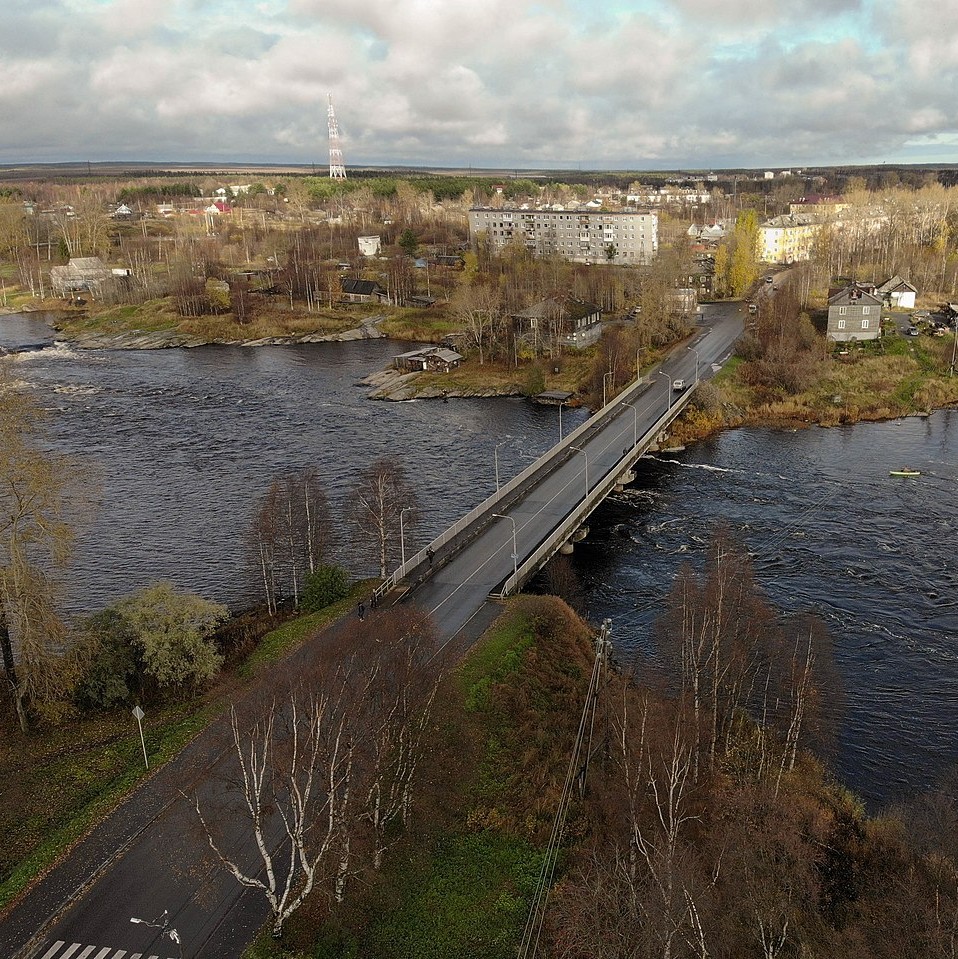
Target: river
[[185, 440]]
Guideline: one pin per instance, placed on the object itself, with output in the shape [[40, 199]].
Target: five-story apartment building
[[586, 236]]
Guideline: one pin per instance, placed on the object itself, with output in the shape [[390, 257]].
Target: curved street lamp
[[668, 395], [635, 425], [515, 548], [579, 449], [163, 924], [696, 352], [402, 533]]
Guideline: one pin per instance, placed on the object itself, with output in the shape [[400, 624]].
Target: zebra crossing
[[76, 950]]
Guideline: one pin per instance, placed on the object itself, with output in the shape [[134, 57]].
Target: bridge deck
[[540, 509]]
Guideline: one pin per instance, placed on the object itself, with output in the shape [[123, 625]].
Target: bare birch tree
[[379, 497], [290, 535], [401, 693], [295, 768]]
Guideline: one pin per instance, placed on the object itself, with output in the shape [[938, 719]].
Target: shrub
[[327, 585], [156, 637], [113, 665]]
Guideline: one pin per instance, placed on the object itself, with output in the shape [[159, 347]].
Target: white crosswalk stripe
[[60, 950]]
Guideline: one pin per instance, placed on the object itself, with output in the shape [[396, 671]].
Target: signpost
[[139, 722]]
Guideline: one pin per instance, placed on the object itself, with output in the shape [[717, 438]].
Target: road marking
[[87, 952]]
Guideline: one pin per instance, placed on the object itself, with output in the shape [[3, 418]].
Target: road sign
[[139, 714]]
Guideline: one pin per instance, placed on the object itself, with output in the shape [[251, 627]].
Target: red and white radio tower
[[337, 169]]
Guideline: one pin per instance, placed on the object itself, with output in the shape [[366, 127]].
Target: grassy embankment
[[160, 316], [459, 883], [58, 782], [897, 376]]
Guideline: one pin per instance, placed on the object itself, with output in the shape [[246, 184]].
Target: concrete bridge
[[507, 538]]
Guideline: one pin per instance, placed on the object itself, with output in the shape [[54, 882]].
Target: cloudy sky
[[489, 83]]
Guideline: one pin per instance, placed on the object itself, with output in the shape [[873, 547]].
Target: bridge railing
[[455, 534]]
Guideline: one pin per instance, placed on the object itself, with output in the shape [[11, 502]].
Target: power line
[[575, 774]]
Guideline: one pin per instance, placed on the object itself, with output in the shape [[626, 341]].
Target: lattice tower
[[337, 169]]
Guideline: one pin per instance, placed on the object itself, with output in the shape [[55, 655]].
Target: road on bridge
[[456, 594], [148, 858]]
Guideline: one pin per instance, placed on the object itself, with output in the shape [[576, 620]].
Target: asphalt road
[[150, 861]]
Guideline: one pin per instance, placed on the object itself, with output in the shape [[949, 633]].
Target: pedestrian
[[429, 554], [361, 610]]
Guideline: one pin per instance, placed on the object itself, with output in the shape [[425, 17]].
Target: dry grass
[[160, 314], [419, 325], [886, 381]]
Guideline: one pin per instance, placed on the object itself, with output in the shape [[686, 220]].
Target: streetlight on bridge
[[515, 548], [579, 449], [668, 395], [402, 532], [635, 425], [605, 376], [696, 352]]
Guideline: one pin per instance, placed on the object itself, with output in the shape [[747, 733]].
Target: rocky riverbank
[[395, 385]]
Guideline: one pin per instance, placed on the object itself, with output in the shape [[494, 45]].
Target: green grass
[[497, 657], [276, 643], [469, 898], [729, 371], [77, 788]]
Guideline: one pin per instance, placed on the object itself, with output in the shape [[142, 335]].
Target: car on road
[[912, 331], [770, 279], [752, 308], [678, 385]]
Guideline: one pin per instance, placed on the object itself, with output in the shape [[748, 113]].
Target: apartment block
[[586, 236]]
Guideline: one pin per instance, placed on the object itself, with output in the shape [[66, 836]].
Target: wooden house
[[854, 313]]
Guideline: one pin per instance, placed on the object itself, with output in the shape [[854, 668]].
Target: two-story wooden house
[[854, 313]]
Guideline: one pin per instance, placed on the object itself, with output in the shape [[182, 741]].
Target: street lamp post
[[605, 376], [515, 548], [668, 394], [579, 449], [163, 924], [637, 370], [635, 424], [696, 352], [560, 421], [402, 533]]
